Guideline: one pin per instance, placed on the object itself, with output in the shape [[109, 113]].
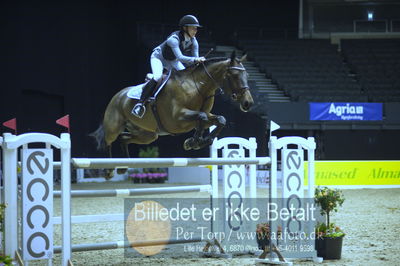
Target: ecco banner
[[345, 111]]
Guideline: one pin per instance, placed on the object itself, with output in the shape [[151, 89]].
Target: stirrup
[[138, 110]]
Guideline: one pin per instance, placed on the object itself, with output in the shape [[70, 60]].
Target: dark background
[[71, 57]]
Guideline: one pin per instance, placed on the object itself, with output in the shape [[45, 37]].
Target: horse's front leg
[[213, 120], [201, 118], [204, 121]]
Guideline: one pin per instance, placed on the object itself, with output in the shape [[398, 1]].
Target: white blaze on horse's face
[[237, 81]]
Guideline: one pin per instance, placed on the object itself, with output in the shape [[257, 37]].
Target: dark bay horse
[[183, 104]]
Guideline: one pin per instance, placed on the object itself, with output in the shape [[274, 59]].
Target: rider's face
[[191, 30]]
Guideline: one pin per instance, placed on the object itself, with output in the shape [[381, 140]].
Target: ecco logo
[[293, 161], [235, 189], [37, 203], [293, 183]]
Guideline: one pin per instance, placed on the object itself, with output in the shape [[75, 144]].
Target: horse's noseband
[[239, 91], [237, 68]]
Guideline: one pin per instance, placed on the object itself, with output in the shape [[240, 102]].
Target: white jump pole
[[10, 196], [66, 198]]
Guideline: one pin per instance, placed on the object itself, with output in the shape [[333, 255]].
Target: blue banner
[[345, 111]]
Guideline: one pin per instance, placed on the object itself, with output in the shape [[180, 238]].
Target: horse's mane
[[194, 67], [214, 59]]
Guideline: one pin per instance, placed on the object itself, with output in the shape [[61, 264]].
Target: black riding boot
[[139, 109]]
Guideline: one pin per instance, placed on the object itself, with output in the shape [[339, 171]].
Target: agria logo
[[347, 109]]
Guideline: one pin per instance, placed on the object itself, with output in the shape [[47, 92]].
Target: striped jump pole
[[136, 191], [126, 244], [100, 163]]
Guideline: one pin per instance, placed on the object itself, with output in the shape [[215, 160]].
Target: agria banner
[[345, 111]]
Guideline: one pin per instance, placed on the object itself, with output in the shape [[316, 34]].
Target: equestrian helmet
[[189, 20]]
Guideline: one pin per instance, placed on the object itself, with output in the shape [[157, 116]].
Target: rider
[[172, 53]]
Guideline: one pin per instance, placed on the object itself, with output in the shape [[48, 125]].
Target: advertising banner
[[346, 111], [357, 173]]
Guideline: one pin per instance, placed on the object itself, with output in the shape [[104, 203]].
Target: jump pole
[[136, 191], [100, 163], [125, 244]]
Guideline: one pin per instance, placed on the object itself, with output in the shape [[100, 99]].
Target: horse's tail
[[98, 135]]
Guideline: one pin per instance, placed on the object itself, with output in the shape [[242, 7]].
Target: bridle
[[220, 91], [236, 92]]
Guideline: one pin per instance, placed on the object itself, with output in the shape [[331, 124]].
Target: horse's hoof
[[121, 171], [187, 145], [197, 147], [203, 143]]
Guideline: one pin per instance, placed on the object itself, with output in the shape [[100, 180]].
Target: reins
[[219, 87]]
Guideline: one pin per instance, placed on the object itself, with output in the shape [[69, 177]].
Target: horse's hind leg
[[124, 145], [124, 148], [138, 136], [113, 124], [109, 172], [112, 129]]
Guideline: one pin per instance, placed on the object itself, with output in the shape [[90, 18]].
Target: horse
[[182, 105]]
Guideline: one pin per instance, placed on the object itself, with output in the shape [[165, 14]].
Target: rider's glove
[[199, 59]]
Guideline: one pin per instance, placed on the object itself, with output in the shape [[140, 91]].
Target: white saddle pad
[[135, 92]]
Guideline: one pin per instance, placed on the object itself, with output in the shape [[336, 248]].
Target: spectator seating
[[376, 63], [306, 70]]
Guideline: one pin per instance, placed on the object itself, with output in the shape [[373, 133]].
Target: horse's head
[[236, 83]]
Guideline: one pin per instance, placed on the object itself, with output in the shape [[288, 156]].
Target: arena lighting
[[370, 15]]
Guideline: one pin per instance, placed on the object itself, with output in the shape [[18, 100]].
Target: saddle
[[135, 92]]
